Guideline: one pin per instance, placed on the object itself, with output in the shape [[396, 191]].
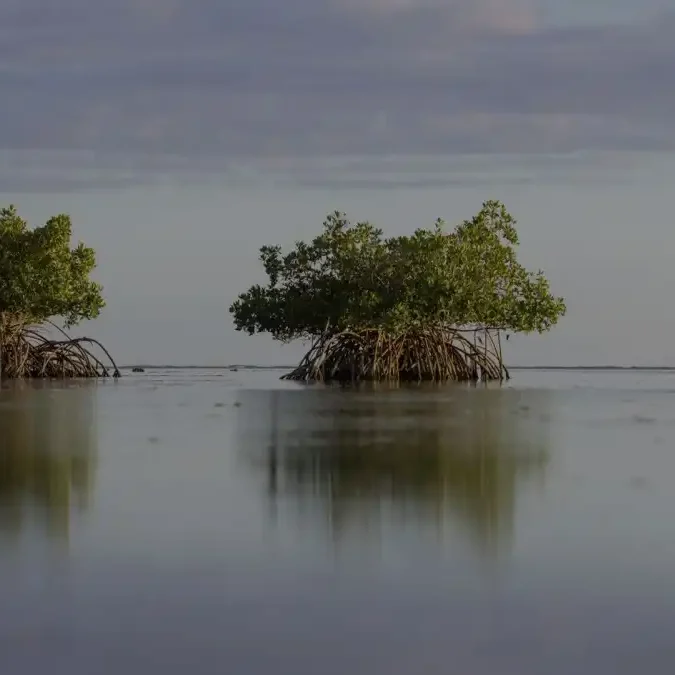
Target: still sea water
[[228, 523]]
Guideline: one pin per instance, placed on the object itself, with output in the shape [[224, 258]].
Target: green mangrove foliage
[[41, 280], [426, 306]]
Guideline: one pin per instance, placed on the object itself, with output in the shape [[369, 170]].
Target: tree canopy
[[353, 277], [41, 276]]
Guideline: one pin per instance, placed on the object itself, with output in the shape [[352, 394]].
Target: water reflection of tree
[[415, 455], [47, 455]]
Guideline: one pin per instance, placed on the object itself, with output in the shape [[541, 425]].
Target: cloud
[[456, 16], [216, 82]]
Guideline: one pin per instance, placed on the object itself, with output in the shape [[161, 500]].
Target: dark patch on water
[[643, 419], [638, 482]]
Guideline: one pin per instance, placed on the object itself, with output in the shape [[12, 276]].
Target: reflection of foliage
[[421, 456], [46, 455]]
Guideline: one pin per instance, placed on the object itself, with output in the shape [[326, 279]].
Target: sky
[[182, 136]]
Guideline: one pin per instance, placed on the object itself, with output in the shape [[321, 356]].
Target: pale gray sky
[[181, 136]]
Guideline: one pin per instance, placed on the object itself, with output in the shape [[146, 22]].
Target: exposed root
[[426, 354], [29, 353]]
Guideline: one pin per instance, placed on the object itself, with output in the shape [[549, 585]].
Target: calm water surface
[[218, 522]]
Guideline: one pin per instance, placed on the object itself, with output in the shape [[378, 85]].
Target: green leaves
[[350, 276], [41, 276]]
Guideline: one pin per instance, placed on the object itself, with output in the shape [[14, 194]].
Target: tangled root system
[[30, 353], [429, 354]]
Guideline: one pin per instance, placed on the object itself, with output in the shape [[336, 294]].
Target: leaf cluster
[[41, 276], [351, 276]]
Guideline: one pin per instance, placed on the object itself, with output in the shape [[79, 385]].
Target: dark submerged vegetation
[[41, 280], [426, 306]]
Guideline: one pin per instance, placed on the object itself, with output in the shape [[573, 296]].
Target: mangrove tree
[[431, 305], [44, 282]]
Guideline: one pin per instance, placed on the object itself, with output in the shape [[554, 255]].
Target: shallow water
[[225, 522]]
